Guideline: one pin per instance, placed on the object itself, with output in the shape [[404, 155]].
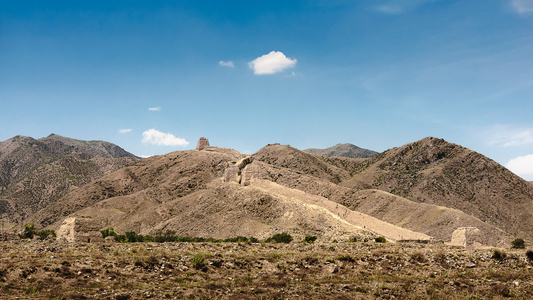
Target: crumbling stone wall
[[202, 143], [242, 172], [83, 230], [465, 236]]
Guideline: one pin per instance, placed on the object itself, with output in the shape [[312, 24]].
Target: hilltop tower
[[202, 143]]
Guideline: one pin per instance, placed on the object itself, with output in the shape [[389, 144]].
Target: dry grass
[[51, 270]]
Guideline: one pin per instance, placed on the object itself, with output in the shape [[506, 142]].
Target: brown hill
[[434, 171], [221, 193], [343, 150], [34, 173]]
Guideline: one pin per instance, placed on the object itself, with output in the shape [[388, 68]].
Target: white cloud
[[271, 63], [228, 63], [125, 130], [154, 108], [398, 6], [390, 9], [155, 137], [522, 166], [523, 6], [510, 136]]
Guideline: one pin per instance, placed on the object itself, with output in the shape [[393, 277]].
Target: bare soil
[[367, 270]]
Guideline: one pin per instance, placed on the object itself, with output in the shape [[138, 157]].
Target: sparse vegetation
[[246, 270], [380, 239], [30, 231], [529, 255], [499, 254], [198, 261], [310, 239], [518, 243]]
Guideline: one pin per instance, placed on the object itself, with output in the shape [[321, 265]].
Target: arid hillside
[[35, 173], [343, 150], [426, 190], [434, 171]]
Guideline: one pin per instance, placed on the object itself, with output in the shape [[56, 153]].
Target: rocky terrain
[[361, 270], [36, 173], [343, 150]]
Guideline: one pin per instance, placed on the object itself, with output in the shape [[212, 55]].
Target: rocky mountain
[[427, 190], [343, 150], [35, 173]]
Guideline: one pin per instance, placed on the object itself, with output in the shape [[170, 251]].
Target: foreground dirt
[[52, 270]]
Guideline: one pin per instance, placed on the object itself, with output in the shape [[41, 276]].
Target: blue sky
[[154, 76]]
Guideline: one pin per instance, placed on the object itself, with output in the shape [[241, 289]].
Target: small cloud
[[394, 7], [522, 166], [390, 9], [271, 63], [145, 156], [523, 6], [509, 136], [155, 137], [154, 108], [228, 63], [125, 130]]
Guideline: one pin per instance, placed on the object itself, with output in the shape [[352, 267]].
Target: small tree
[[29, 231], [518, 244]]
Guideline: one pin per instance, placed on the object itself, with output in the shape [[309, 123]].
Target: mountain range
[[426, 190], [36, 173]]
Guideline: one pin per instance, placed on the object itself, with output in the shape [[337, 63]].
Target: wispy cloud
[[271, 63], [155, 137], [125, 130], [523, 6], [510, 136], [398, 6], [227, 63], [522, 166], [154, 108]]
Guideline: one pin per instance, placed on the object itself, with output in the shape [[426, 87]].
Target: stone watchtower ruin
[[202, 143]]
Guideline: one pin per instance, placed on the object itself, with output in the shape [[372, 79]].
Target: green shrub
[[280, 238], [30, 231], [133, 237], [198, 261], [518, 244], [498, 254], [310, 239], [47, 232], [109, 231], [529, 254], [380, 239], [352, 240]]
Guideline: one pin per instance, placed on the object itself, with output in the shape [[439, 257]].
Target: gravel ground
[[368, 270]]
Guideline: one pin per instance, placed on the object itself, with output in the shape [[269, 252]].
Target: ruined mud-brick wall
[[202, 143], [84, 230]]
